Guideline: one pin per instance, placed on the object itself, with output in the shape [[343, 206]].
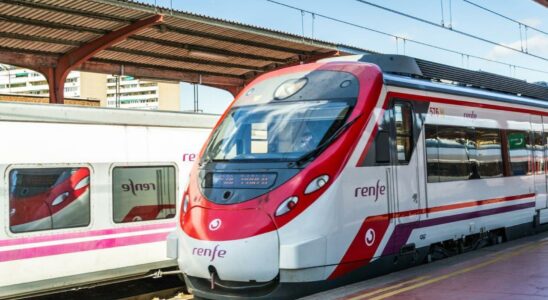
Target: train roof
[[410, 72], [51, 113]]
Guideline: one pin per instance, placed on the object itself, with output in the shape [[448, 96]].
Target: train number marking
[[437, 111], [369, 237], [215, 224]]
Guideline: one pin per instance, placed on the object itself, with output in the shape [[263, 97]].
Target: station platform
[[512, 270]]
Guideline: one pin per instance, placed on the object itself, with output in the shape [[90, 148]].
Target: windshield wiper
[[307, 156]]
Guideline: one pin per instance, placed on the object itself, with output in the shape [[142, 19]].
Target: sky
[[463, 17]]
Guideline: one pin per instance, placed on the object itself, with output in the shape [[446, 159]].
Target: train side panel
[[107, 247]]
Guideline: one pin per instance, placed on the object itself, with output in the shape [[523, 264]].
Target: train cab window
[[259, 138], [48, 198], [403, 120], [379, 152], [143, 193], [538, 150], [519, 148]]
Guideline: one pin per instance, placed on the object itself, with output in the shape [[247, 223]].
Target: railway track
[[169, 287]]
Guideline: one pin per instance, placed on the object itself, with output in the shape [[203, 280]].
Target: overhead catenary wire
[[405, 39], [450, 29], [505, 17]]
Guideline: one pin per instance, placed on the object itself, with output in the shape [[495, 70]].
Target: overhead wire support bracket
[[503, 16], [450, 29], [468, 55]]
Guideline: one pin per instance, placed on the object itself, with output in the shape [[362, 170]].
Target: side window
[[539, 153], [487, 159], [432, 153], [455, 145], [48, 198], [403, 121], [461, 153], [143, 193], [519, 148], [546, 152]]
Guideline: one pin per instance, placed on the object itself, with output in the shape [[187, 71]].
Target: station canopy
[[145, 41]]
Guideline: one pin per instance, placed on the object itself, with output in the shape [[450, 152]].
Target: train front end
[[261, 203]]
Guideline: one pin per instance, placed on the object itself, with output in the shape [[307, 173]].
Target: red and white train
[[89, 195], [327, 173]]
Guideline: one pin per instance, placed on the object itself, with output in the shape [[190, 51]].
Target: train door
[[539, 162], [404, 171], [545, 140]]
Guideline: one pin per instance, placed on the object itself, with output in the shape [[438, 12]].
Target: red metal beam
[[27, 60], [542, 2], [159, 74], [57, 75]]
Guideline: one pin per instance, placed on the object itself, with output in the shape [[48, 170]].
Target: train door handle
[[415, 198]]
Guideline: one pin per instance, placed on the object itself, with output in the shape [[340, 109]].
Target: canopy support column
[[57, 74]]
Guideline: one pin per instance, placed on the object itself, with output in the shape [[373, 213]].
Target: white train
[[89, 194], [328, 173]]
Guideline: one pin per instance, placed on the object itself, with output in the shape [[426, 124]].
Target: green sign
[[516, 140]]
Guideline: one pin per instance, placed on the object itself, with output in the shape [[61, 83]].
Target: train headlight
[[59, 199], [316, 184], [82, 183], [186, 201], [287, 206], [289, 88]]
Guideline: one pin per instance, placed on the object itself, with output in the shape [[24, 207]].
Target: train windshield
[[283, 131]]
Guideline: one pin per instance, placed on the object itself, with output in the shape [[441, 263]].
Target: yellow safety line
[[362, 296], [462, 271]]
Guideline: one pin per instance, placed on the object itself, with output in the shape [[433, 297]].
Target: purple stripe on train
[[403, 231]]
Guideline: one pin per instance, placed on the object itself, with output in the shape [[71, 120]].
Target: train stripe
[[402, 232], [358, 255], [72, 235], [81, 246], [459, 205]]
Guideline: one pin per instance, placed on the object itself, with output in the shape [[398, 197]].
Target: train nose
[[240, 245]]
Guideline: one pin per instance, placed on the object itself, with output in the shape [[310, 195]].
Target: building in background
[[128, 92], [111, 91]]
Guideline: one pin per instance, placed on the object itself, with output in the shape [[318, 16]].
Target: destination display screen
[[240, 180]]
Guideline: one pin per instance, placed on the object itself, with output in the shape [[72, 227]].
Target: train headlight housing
[[186, 201], [287, 206], [316, 184]]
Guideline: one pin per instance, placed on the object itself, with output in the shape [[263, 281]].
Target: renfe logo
[[369, 237], [369, 191], [134, 187], [215, 252], [215, 224], [189, 156], [471, 115]]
